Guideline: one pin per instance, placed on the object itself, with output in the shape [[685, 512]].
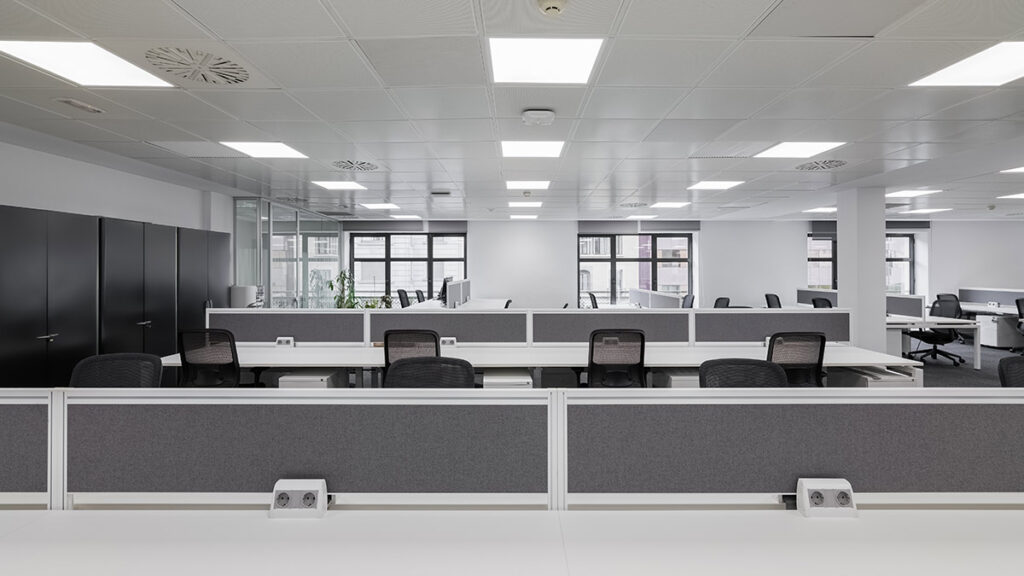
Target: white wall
[[533, 263], [33, 179], [744, 260], [975, 254]]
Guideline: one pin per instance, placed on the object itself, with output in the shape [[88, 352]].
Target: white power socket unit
[[825, 498], [448, 341], [286, 341], [299, 499]]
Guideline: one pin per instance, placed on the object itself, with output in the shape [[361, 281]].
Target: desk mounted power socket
[[286, 341], [448, 341]]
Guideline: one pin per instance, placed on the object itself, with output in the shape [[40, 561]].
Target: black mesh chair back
[[1020, 314], [420, 297], [403, 298], [821, 302], [1011, 372], [952, 298], [773, 300], [616, 359], [564, 306], [800, 354], [508, 303], [430, 372], [742, 373], [721, 302], [400, 344], [688, 301], [123, 370], [593, 300], [946, 309], [208, 358]]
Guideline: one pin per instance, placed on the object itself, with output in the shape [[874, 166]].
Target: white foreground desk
[[895, 325]]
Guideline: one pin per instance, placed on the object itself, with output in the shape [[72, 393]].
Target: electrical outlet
[[448, 341], [299, 499], [993, 304], [286, 341], [825, 498]]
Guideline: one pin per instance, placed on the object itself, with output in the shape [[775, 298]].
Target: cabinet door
[[219, 268], [71, 290], [122, 288], [161, 289], [192, 278], [22, 297]]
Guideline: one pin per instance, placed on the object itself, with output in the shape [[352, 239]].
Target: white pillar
[[861, 274]]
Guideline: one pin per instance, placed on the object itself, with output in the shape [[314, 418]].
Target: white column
[[861, 274]]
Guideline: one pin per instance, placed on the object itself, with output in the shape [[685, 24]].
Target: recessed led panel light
[[994, 66], [380, 206], [641, 217], [911, 193], [822, 210], [527, 184], [715, 184], [265, 149], [798, 149], [1013, 197], [669, 204], [926, 211], [525, 204], [523, 216], [83, 63], [544, 60], [405, 217], [339, 185], [1013, 170], [531, 148]]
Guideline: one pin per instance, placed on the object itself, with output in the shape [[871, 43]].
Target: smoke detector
[[355, 165], [819, 165], [538, 117], [197, 65], [551, 7]]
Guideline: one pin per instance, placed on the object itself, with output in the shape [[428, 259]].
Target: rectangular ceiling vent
[[440, 192]]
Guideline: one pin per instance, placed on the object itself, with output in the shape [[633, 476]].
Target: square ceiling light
[[531, 148], [911, 193], [405, 217], [525, 204], [83, 63], [523, 216], [527, 184], [822, 210], [715, 184], [339, 185], [926, 211], [387, 206], [265, 149], [798, 149], [1012, 170], [641, 217], [1013, 197], [669, 204], [543, 60], [993, 66]]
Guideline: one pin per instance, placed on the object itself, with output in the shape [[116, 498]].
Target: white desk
[[895, 325], [982, 308], [471, 304], [998, 324]]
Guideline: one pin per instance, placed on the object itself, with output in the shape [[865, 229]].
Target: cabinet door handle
[[47, 337], [145, 323]]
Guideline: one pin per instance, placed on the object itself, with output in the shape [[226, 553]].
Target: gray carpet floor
[[940, 373]]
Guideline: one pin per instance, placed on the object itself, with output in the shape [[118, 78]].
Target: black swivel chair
[[420, 297], [959, 311], [403, 298], [939, 336], [742, 373], [616, 359], [721, 302], [122, 370], [1011, 372], [593, 300], [208, 358], [688, 301], [800, 354], [430, 372], [773, 300], [821, 302], [1020, 317], [399, 344], [508, 303]]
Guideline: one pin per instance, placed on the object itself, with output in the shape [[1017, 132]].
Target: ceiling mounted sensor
[[538, 117], [197, 66], [633, 205], [551, 7], [819, 165], [80, 105], [355, 165]]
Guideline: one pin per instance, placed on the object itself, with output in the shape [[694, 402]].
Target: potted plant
[[344, 288]]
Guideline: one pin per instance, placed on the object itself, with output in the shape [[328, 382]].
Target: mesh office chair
[[430, 372], [403, 298], [959, 311], [123, 370], [773, 300], [508, 303], [800, 354], [688, 301], [616, 359], [208, 358], [400, 344], [821, 302], [1020, 317], [593, 300], [721, 302], [420, 297], [938, 336], [742, 373], [1011, 372]]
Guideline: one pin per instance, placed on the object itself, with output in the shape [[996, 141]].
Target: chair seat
[[616, 379], [933, 338]]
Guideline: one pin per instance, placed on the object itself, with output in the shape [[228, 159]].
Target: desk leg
[[359, 376], [977, 348]]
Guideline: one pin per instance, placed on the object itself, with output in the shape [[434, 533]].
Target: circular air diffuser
[[197, 66], [819, 165], [355, 165]]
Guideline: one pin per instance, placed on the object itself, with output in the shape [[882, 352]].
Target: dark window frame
[[834, 259], [388, 259], [910, 260], [654, 260]]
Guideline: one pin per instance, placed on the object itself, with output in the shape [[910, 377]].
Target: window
[[899, 263], [611, 264], [384, 263], [821, 262]]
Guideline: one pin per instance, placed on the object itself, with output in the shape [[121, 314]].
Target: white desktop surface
[[449, 543], [900, 323], [471, 304], [982, 308]]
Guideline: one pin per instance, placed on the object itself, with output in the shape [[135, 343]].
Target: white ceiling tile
[[991, 132], [928, 151], [457, 130], [613, 130], [962, 19], [195, 149], [299, 131], [863, 150], [134, 149], [565, 101], [385, 131], [582, 17], [529, 168], [598, 149], [388, 151], [69, 129], [333, 65], [163, 104], [659, 62], [426, 61], [475, 169], [631, 102], [19, 23], [510, 129], [926, 131], [662, 149], [833, 17], [465, 149], [47, 98], [764, 63], [724, 102], [350, 105], [236, 19], [912, 103], [256, 105], [766, 130], [13, 110], [15, 74], [118, 19], [401, 18], [693, 17], [445, 102], [996, 104], [142, 129], [818, 102], [892, 64], [220, 131], [730, 149], [689, 130], [843, 130]]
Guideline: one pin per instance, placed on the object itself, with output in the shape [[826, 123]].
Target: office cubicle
[[900, 305], [724, 325], [807, 296], [24, 452]]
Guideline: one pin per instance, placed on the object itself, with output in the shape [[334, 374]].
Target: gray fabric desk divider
[[658, 326], [985, 295], [24, 449], [502, 326], [805, 296], [765, 448], [905, 305], [756, 325], [305, 326]]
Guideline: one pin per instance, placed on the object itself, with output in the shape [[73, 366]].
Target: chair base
[[935, 352]]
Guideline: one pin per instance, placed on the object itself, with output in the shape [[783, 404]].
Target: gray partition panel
[[665, 301], [577, 326], [904, 305], [805, 296], [24, 450], [356, 448], [1004, 297], [262, 327], [743, 326], [766, 448], [497, 326]]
